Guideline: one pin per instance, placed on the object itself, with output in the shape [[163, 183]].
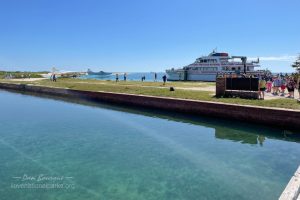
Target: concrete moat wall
[[283, 118]]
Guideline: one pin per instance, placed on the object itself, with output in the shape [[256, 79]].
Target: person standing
[[282, 87], [125, 76], [269, 85], [298, 86], [155, 77], [276, 85], [291, 87], [164, 79], [117, 77], [262, 88]]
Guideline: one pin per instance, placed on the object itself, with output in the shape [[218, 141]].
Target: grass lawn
[[184, 90]]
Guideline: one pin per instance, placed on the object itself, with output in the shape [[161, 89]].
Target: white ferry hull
[[175, 75], [202, 77], [206, 68], [180, 76]]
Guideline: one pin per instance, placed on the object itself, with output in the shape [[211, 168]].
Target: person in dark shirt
[[164, 79], [291, 87], [54, 78]]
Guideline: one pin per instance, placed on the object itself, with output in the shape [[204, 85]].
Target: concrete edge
[[192, 100], [283, 118], [292, 190]]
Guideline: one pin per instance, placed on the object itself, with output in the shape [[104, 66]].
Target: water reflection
[[244, 133], [120, 152], [239, 136]]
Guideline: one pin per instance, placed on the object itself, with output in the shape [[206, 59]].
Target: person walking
[[164, 79], [54, 78]]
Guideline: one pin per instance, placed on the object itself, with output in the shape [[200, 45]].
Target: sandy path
[[26, 79]]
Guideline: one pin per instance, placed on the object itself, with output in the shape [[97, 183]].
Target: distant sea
[[133, 76], [137, 76]]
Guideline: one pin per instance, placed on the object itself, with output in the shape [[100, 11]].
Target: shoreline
[[274, 117]]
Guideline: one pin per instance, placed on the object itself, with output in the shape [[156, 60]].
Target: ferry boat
[[206, 68], [101, 73]]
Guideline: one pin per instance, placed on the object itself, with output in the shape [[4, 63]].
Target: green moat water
[[98, 151]]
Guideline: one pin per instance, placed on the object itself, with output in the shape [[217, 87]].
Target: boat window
[[205, 61]]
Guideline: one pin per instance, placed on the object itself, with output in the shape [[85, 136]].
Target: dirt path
[[26, 79]]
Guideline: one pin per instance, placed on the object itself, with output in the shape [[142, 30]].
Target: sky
[[145, 35]]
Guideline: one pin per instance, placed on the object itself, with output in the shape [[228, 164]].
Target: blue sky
[[139, 35]]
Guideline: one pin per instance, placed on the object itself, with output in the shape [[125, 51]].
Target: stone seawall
[[283, 118]]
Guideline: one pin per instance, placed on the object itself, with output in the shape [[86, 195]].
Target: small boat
[[101, 73]]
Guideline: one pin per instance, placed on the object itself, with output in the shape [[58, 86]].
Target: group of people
[[53, 77], [143, 78], [278, 85]]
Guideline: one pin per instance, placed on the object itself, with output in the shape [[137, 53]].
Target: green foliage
[[18, 74]]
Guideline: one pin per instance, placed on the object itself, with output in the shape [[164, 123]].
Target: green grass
[[158, 89], [18, 74]]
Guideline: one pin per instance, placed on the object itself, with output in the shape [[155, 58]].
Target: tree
[[296, 64]]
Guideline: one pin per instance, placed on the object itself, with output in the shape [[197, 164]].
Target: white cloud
[[276, 58]]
